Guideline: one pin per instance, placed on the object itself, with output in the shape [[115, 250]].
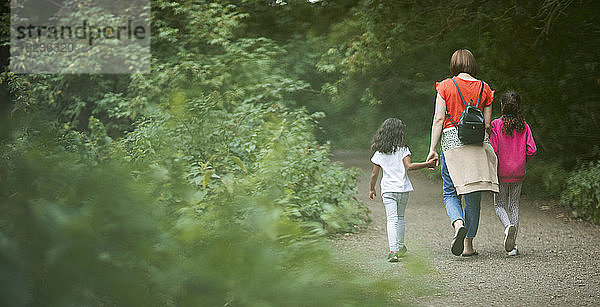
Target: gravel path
[[559, 262]]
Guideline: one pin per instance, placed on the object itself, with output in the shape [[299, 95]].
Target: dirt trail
[[559, 262]]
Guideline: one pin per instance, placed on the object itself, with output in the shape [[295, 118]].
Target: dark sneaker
[[393, 257]]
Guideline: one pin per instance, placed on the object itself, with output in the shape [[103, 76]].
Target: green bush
[[213, 151], [77, 231], [582, 195], [195, 184]]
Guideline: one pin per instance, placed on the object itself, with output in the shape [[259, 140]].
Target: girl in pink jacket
[[513, 143]]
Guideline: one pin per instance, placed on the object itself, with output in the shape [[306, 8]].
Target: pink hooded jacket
[[512, 151]]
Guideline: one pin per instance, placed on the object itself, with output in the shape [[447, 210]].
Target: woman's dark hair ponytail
[[511, 113]]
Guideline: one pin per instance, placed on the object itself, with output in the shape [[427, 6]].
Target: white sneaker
[[514, 252], [509, 237]]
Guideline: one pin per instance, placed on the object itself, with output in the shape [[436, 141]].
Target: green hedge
[[73, 234], [582, 194]]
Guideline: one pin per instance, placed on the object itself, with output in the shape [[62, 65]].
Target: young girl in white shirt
[[393, 156]]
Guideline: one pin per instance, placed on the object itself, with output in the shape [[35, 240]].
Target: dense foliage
[[78, 231], [583, 192], [200, 183]]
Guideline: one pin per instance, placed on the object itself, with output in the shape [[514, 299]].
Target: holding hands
[[432, 160]]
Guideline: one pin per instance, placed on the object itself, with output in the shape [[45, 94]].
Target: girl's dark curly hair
[[511, 113], [389, 137]]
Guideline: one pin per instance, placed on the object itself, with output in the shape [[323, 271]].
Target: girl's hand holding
[[433, 156], [372, 194], [431, 163], [433, 160]]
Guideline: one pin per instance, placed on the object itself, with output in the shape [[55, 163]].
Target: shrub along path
[[559, 262]]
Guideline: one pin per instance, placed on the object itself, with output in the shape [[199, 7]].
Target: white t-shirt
[[394, 177]]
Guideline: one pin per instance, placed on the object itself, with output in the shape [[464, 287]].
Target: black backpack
[[471, 129]]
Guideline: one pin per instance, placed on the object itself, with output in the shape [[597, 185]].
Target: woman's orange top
[[470, 91]]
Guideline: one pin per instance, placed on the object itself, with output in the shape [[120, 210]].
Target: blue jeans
[[452, 202]]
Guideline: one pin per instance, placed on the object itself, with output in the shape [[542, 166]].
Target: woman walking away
[[513, 143], [392, 155], [469, 165]]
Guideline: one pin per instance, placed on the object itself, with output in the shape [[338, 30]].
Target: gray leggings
[[509, 194]]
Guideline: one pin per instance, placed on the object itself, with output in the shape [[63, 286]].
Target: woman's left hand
[[433, 156]]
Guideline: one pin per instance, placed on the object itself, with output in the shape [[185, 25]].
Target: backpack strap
[[480, 92], [450, 118], [463, 101], [459, 93]]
